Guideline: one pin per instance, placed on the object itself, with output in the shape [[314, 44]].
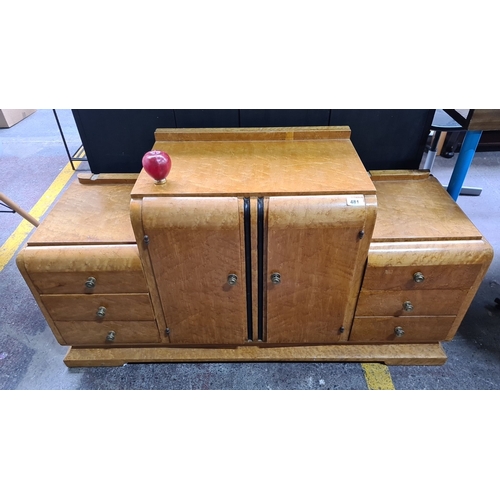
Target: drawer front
[[410, 302], [460, 277], [122, 307], [114, 269], [92, 333], [416, 329]]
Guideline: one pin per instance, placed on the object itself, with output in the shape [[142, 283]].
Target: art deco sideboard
[[263, 244]]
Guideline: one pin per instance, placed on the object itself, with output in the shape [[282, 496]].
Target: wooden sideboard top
[[412, 205], [88, 214], [258, 162]]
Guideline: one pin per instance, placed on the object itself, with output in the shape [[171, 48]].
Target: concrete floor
[[31, 156]]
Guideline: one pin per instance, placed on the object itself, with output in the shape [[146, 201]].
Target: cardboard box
[[9, 117]]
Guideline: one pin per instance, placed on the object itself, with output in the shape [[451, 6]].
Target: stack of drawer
[[425, 263], [83, 268]]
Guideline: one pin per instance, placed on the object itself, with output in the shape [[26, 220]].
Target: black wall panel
[[116, 140], [387, 138], [283, 117], [206, 118]]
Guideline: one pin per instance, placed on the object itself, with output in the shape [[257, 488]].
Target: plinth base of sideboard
[[393, 354]]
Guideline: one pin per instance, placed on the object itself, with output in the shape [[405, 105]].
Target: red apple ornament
[[157, 164]]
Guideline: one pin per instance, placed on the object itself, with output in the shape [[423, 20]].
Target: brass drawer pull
[[90, 283], [276, 278], [398, 331], [232, 279], [101, 312], [418, 277], [111, 336], [407, 306]]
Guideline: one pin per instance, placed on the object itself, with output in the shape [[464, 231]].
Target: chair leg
[[18, 210], [431, 154]]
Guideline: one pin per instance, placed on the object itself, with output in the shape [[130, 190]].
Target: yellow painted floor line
[[15, 240], [377, 376]]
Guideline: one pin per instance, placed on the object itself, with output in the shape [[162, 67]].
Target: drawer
[[120, 307], [422, 302], [439, 277], [93, 333], [416, 329], [444, 265], [60, 270]]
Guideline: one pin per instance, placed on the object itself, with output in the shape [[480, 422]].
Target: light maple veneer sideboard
[[263, 245]]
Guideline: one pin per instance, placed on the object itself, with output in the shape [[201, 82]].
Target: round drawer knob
[[398, 331], [101, 312], [418, 277], [90, 283], [110, 337], [407, 306], [232, 279], [276, 278]]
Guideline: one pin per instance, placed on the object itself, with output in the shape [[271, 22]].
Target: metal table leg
[[463, 163]]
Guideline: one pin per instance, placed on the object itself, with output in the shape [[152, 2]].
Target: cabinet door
[[316, 246], [195, 244]]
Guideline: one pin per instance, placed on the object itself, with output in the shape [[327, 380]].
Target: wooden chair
[[7, 202]]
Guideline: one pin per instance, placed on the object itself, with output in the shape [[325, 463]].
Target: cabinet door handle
[[276, 278], [232, 279]]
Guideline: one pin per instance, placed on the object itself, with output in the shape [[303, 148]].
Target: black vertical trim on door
[[260, 268], [248, 264]]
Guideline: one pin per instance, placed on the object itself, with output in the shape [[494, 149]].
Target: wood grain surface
[[258, 168], [419, 210], [424, 302], [21, 265], [313, 242], [429, 253], [359, 270], [438, 277], [96, 179], [194, 244], [392, 354], [136, 220], [65, 269], [398, 175], [92, 333], [88, 214], [485, 119], [416, 328], [119, 307], [252, 134]]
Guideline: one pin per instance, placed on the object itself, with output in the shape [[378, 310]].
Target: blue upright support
[[467, 151]]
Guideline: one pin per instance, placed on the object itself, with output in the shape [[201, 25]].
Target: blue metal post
[[467, 151]]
